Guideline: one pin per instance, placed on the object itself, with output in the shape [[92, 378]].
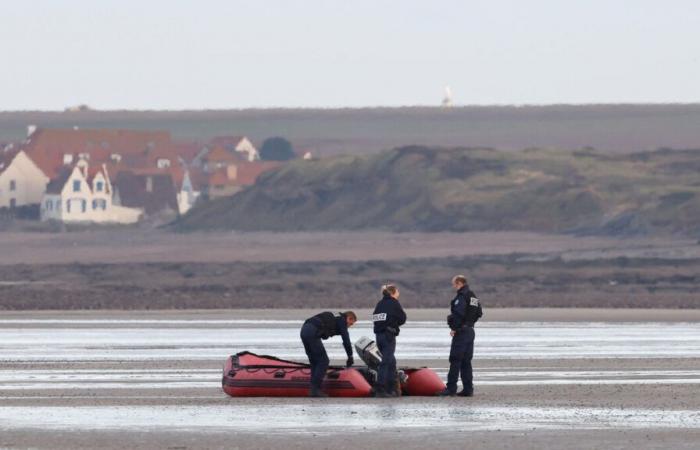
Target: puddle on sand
[[312, 417], [423, 340], [157, 379]]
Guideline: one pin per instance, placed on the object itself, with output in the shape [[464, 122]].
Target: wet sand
[[432, 314], [152, 380]]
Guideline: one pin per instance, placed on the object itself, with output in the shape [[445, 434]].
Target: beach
[[152, 379]]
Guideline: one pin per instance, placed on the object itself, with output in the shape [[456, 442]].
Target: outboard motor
[[368, 351]]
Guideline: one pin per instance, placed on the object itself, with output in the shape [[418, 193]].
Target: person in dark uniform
[[388, 317], [323, 326], [465, 310]]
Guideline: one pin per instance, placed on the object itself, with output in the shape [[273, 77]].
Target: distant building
[[237, 144], [52, 150], [82, 195], [217, 158], [187, 192], [226, 181], [151, 174], [152, 191], [21, 181]]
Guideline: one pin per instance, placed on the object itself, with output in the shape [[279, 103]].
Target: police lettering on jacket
[[388, 316], [465, 309]]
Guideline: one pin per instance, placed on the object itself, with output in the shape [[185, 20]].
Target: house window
[[84, 205], [67, 206], [58, 205], [103, 203], [49, 205], [149, 184], [67, 158], [13, 203], [76, 185], [13, 185], [163, 163], [98, 186], [94, 204]]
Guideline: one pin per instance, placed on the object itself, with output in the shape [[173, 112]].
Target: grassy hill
[[465, 189], [610, 128]]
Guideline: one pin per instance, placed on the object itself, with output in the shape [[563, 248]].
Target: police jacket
[[465, 309], [388, 316], [329, 325]]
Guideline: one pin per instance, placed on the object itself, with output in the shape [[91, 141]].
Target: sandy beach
[[565, 378]]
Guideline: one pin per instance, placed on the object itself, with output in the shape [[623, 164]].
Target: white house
[[236, 145], [77, 195], [187, 195], [21, 181], [246, 147]]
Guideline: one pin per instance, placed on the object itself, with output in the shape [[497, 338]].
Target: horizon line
[[90, 109]]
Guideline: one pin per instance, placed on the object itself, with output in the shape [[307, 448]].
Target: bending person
[[388, 317], [323, 326], [465, 310]]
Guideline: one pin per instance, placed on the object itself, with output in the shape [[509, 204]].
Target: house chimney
[[30, 130]]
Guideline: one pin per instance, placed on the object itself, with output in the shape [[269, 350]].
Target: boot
[[317, 393], [383, 393], [466, 393], [446, 393]]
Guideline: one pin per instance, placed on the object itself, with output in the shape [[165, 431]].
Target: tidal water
[[42, 360]]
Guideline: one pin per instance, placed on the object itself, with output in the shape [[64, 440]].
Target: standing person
[[388, 317], [465, 310], [323, 326]]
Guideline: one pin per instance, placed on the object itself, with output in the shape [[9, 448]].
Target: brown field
[[136, 269], [132, 245]]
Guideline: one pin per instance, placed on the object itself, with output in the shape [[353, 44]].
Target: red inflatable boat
[[249, 375]]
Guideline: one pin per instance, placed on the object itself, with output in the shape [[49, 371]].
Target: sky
[[208, 54]]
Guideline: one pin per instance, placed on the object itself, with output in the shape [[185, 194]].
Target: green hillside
[[428, 189]]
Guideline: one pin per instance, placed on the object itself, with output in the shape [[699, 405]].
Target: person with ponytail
[[388, 316]]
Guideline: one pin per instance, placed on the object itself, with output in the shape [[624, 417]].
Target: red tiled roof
[[249, 172], [186, 150], [177, 173], [220, 154], [227, 141], [46, 147], [219, 178]]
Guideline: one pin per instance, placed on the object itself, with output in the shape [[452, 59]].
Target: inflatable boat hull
[[249, 375], [422, 382]]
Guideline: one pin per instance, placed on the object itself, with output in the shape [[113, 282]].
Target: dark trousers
[[461, 353], [386, 372], [316, 352]]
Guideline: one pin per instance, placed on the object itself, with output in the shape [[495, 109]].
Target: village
[[115, 176]]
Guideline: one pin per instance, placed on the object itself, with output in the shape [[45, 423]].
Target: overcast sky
[[263, 53]]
